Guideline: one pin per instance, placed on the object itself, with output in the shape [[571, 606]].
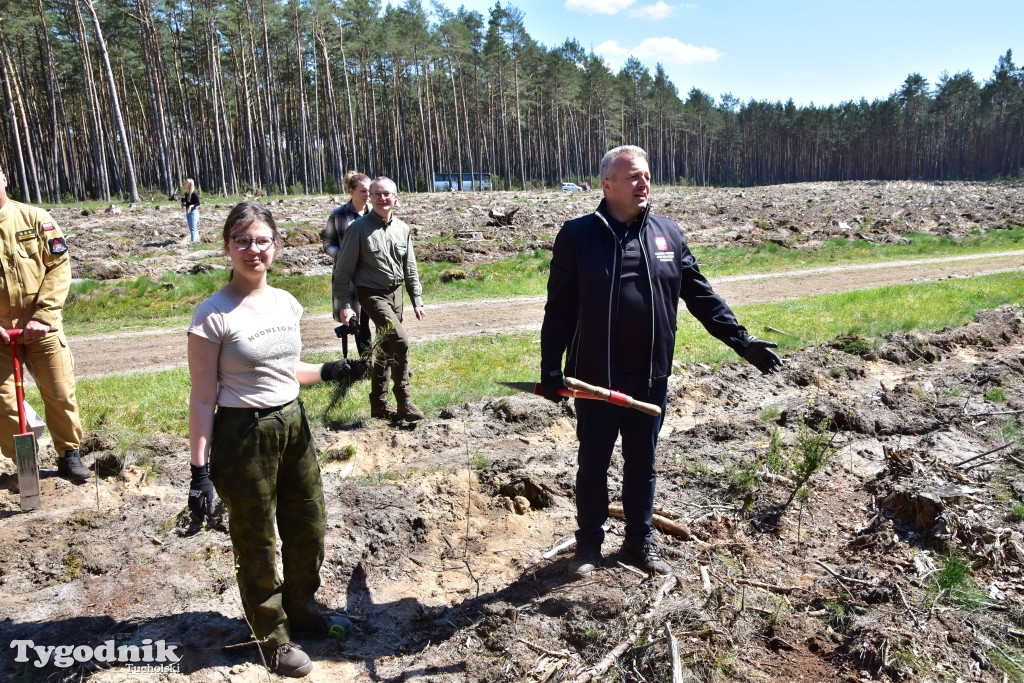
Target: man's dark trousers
[[598, 424]]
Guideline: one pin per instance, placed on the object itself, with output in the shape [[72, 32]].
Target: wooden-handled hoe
[[577, 389], [24, 442]]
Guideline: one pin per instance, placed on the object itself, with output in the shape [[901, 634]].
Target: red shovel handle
[[19, 390]]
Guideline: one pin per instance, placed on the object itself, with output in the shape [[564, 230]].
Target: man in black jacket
[[613, 293]]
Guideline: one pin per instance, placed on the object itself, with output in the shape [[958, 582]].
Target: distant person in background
[[375, 260], [190, 202], [32, 294], [250, 440], [358, 186]]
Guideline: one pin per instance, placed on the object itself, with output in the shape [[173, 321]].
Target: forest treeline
[[126, 98]]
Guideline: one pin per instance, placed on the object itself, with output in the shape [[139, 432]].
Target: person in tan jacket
[[35, 276]]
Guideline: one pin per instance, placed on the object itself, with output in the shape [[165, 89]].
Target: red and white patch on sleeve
[[47, 226], [660, 242]]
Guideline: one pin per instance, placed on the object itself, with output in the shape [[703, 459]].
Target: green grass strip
[[453, 371], [169, 301]]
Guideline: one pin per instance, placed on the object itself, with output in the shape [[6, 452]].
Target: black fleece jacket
[[585, 269]]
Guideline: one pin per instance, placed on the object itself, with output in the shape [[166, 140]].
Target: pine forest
[[123, 99]]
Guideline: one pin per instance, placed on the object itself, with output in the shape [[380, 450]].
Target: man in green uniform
[[376, 255], [35, 275]]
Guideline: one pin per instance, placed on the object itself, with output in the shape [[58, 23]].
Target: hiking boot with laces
[[380, 410], [408, 411], [583, 563], [646, 557], [71, 468], [289, 660]]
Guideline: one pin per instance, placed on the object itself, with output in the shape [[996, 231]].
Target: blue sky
[[824, 51]]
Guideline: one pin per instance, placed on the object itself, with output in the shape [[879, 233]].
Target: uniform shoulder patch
[[25, 235], [58, 245], [47, 227]]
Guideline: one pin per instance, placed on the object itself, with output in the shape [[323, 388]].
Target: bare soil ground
[[436, 532]]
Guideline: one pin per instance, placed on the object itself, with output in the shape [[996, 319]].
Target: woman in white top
[[249, 438]]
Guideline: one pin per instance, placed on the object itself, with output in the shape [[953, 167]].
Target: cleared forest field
[[901, 560]]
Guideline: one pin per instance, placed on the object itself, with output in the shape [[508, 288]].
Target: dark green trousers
[[385, 309], [263, 464]]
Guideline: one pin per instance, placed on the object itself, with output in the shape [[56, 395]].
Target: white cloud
[[597, 6], [653, 50], [656, 12]]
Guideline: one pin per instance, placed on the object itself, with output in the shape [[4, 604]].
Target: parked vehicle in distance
[[466, 182], [571, 187]]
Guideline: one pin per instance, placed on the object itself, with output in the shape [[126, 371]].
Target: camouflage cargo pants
[[263, 464]]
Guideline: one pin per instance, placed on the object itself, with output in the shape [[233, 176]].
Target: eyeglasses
[[243, 242], [382, 195]]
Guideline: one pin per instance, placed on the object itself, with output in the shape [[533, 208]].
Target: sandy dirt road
[[160, 349]]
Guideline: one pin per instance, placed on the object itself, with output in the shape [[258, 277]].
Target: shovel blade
[[28, 470]]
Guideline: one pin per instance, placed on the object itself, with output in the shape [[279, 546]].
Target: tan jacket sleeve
[[55, 272]]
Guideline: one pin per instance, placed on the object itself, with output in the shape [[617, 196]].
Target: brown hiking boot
[[381, 410], [70, 467], [408, 411], [289, 660]]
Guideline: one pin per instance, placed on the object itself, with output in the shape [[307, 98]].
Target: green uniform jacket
[[36, 268], [376, 255]]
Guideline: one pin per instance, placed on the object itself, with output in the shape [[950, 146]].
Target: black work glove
[[758, 353], [347, 370], [201, 496], [550, 384]]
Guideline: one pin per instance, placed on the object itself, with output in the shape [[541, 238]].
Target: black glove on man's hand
[[201, 496], [550, 384], [758, 353], [347, 370]]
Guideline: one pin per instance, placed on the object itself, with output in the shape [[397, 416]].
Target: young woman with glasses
[[250, 440]]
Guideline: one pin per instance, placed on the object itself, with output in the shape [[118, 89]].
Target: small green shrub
[[775, 460], [1017, 512], [73, 565], [812, 451], [296, 189], [838, 615], [995, 395], [769, 413], [480, 461], [955, 582], [742, 478], [852, 343], [452, 275]]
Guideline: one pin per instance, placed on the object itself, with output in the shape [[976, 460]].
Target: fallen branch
[[903, 599], [660, 523], [774, 478], [620, 649], [673, 651], [563, 654], [705, 579], [632, 569], [982, 455], [840, 577], [768, 586]]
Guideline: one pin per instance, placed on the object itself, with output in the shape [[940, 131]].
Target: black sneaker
[[71, 468], [583, 563], [646, 557], [289, 660]]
